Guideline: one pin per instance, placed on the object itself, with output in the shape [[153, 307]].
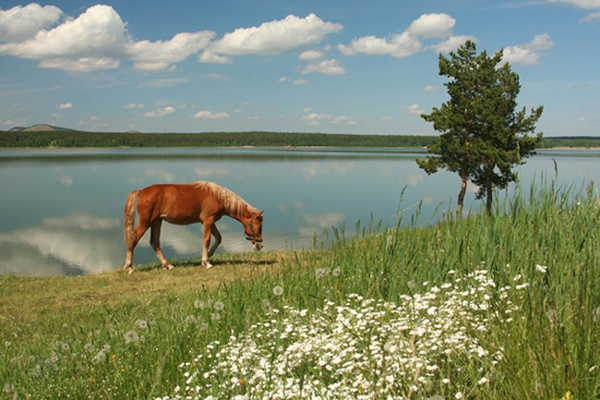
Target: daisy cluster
[[364, 349]]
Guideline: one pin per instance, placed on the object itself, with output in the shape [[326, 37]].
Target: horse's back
[[179, 204]]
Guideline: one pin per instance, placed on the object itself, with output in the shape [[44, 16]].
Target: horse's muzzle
[[256, 243]]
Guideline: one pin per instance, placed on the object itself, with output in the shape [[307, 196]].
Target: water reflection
[[62, 214]]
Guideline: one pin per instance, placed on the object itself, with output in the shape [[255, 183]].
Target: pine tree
[[482, 134]]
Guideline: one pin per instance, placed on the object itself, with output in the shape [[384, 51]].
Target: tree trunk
[[461, 194], [488, 196]]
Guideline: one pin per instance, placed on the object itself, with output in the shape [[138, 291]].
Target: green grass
[[533, 335]]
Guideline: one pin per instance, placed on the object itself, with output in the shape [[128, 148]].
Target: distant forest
[[232, 139]]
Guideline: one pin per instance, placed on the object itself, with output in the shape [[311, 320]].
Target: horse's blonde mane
[[231, 201]]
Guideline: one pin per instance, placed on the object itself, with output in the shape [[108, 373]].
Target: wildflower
[[267, 306], [142, 324], [541, 268], [411, 285], [277, 290], [322, 272], [337, 272], [215, 316], [199, 304], [9, 388], [390, 347], [219, 306], [596, 314], [7, 344], [483, 381], [65, 346], [89, 347], [100, 357], [458, 395], [131, 336]]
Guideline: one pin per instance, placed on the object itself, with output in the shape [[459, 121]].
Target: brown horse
[[201, 201]]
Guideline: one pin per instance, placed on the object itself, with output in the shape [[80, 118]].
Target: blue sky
[[348, 66]]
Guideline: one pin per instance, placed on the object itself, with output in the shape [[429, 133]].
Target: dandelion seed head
[[131, 336], [219, 306], [199, 304], [143, 324], [277, 290]]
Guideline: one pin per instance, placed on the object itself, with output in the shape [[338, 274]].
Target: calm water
[[60, 210]]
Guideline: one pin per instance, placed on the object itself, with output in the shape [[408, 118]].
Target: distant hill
[[40, 128]]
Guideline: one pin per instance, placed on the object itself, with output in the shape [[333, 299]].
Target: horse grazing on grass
[[201, 201]]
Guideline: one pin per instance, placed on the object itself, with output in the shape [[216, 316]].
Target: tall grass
[[521, 287]]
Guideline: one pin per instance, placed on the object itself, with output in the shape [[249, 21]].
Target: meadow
[[500, 306]]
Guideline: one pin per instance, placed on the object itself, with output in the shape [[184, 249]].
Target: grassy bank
[[487, 307]]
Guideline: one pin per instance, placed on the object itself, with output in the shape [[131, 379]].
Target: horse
[[201, 201]]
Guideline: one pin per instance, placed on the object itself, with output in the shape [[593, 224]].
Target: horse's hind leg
[[132, 237], [155, 243], [218, 239]]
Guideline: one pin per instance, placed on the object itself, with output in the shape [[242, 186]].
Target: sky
[[340, 66]]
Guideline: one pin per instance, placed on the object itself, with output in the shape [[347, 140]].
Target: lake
[[61, 209]]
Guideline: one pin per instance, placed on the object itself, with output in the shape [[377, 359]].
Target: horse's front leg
[[208, 226]]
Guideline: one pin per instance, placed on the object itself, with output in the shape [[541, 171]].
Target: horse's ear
[[260, 213]]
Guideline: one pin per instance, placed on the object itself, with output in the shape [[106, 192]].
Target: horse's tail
[[129, 216]]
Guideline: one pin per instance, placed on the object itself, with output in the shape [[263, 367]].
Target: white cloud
[[386, 118], [430, 88], [283, 79], [432, 26], [408, 42], [402, 45], [209, 115], [300, 82], [342, 120], [326, 67], [134, 105], [311, 55], [315, 116], [208, 57], [451, 44], [158, 56], [275, 37], [65, 106], [96, 40], [15, 122], [22, 23], [591, 17], [528, 53], [160, 112], [414, 109], [584, 4]]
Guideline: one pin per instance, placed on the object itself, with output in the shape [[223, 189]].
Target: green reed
[[544, 241]]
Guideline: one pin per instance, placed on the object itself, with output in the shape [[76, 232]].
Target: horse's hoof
[[168, 267], [131, 271]]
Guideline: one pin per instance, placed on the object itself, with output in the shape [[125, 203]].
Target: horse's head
[[253, 230]]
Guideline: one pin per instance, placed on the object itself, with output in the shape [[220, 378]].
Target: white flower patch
[[361, 349]]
